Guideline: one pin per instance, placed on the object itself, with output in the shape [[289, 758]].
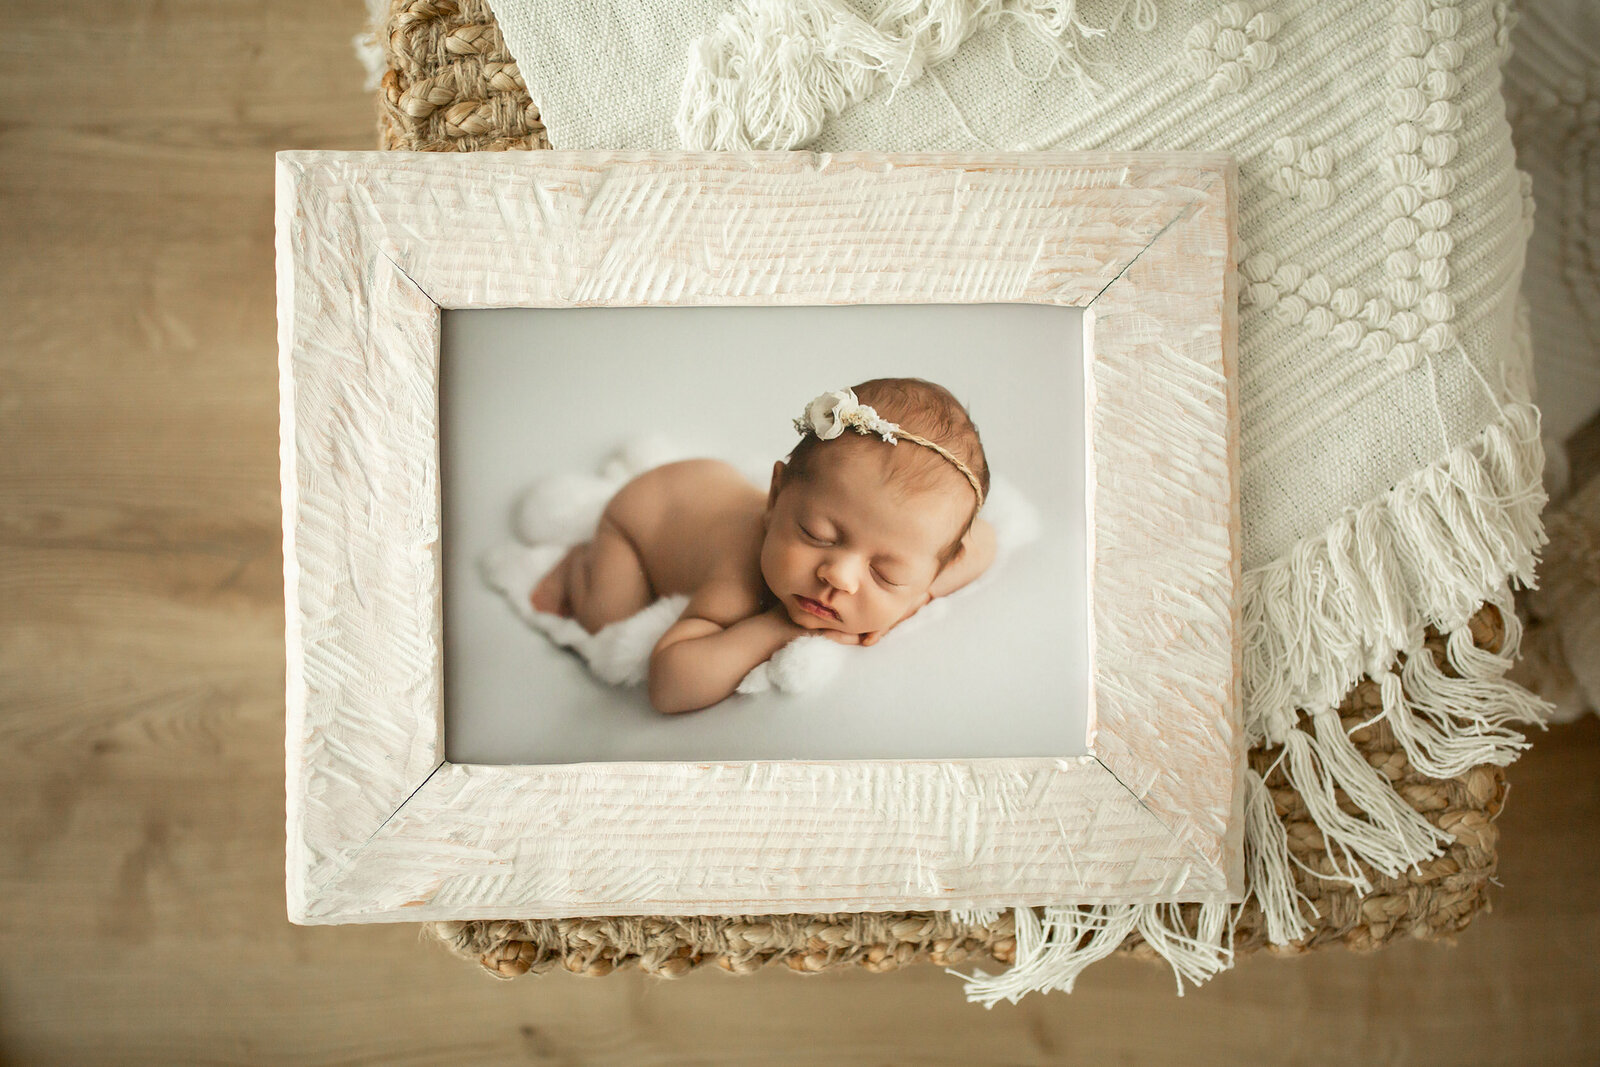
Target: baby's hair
[[928, 410]]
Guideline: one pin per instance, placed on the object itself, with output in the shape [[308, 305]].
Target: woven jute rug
[[1435, 901], [451, 85]]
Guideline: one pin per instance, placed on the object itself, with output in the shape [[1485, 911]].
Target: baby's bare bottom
[[597, 582]]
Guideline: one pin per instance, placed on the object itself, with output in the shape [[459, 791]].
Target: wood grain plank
[[127, 943]]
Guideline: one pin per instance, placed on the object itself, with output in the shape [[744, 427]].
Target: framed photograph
[[1062, 728], [535, 396]]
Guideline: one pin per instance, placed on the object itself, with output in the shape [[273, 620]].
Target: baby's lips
[[820, 604]]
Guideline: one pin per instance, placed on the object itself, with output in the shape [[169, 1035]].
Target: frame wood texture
[[370, 248]]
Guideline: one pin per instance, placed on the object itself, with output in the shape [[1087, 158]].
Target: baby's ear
[[777, 485]]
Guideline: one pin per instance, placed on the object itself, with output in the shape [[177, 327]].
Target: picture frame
[[372, 246]]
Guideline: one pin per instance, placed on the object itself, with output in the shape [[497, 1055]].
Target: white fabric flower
[[825, 415], [829, 414]]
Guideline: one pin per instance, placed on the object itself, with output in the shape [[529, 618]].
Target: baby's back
[[691, 522]]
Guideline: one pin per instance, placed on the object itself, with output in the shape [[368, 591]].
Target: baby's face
[[845, 552]]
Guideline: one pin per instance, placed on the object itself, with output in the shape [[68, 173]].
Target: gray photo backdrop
[[527, 391]]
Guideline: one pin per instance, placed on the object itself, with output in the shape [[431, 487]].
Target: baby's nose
[[838, 574]]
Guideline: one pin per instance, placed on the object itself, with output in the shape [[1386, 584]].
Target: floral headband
[[829, 414]]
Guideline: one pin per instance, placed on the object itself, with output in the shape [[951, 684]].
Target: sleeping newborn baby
[[857, 532]]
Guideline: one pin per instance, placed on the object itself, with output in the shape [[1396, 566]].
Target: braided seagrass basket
[[451, 86]]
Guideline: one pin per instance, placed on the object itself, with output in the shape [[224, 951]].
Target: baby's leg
[[598, 582], [550, 594]]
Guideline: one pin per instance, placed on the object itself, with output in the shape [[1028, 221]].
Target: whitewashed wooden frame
[[371, 247]]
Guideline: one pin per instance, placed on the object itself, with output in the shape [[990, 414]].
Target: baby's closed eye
[[827, 542]]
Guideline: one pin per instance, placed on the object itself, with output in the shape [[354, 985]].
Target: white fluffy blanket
[[563, 509]]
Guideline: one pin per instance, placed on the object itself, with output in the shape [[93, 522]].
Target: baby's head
[[861, 527]]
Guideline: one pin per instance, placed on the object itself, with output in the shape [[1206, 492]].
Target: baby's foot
[[553, 594]]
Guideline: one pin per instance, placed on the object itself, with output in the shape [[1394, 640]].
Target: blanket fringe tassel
[[1349, 604], [772, 72]]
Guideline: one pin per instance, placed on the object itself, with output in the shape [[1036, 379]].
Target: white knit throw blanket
[[1391, 458]]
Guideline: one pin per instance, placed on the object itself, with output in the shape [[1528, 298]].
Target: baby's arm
[[977, 553], [704, 656]]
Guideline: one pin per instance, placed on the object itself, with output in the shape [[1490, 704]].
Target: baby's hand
[[781, 619]]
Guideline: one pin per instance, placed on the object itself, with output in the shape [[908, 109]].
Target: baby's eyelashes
[[823, 542]]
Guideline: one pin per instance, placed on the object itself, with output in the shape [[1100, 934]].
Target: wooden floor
[[141, 671]]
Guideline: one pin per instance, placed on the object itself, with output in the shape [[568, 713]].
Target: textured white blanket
[[1391, 458]]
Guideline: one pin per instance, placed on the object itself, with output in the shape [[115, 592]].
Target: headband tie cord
[[831, 413]]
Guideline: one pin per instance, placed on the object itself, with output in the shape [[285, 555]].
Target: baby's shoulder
[[724, 599]]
